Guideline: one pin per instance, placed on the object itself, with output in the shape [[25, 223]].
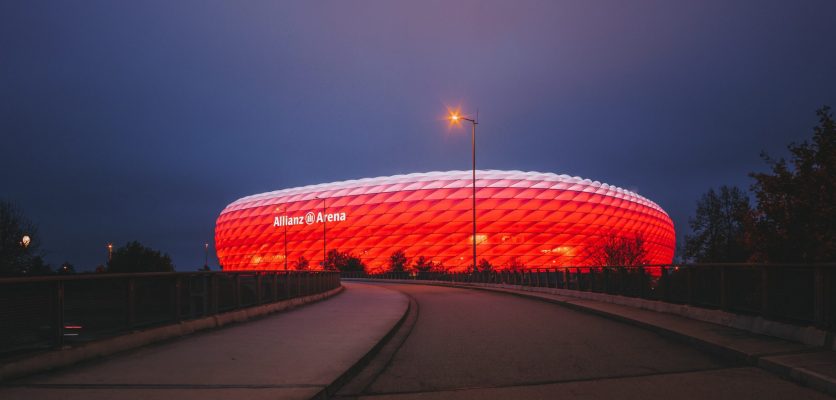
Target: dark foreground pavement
[[469, 344], [290, 355]]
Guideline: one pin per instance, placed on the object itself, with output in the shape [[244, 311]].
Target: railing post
[[724, 293], [605, 279], [643, 288], [820, 300], [131, 303], [275, 276], [237, 282], [689, 275], [766, 306], [178, 299], [58, 320], [214, 293], [591, 279], [258, 282]]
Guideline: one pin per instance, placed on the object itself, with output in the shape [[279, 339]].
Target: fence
[[44, 312], [798, 293]]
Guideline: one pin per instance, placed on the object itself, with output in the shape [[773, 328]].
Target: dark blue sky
[[142, 120]]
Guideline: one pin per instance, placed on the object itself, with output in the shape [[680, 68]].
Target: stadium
[[532, 219]]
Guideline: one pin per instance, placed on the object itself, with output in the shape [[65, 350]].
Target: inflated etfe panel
[[529, 218]]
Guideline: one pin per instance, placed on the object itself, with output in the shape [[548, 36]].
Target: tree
[[337, 260], [16, 257], [66, 269], [515, 265], [719, 227], [134, 257], [398, 262], [423, 264], [301, 263], [36, 265], [621, 251], [796, 201], [484, 266]]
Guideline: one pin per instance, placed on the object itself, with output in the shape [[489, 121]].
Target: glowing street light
[[25, 240], [456, 118], [109, 252]]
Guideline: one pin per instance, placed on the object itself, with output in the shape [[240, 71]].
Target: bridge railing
[[795, 293], [53, 311]]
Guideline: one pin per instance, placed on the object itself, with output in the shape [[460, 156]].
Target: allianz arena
[[536, 219]]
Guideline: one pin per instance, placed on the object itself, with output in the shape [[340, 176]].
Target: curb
[[40, 362], [332, 388], [786, 371]]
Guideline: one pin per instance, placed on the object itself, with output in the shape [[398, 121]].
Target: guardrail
[[46, 312], [796, 293]]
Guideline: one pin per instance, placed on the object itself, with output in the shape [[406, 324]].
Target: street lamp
[[25, 240], [456, 119], [324, 238], [206, 256], [285, 237], [109, 252]]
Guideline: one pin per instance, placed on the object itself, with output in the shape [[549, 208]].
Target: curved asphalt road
[[476, 344]]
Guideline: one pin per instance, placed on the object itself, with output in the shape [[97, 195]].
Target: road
[[470, 344]]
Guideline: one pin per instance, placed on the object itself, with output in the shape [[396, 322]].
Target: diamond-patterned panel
[[541, 219]]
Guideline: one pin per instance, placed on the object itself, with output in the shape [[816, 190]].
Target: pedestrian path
[[808, 365], [291, 355]]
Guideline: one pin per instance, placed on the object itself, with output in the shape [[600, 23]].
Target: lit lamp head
[[25, 240]]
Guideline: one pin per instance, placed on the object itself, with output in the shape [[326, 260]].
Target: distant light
[[25, 240]]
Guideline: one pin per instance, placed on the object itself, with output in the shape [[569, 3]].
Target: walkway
[[290, 355], [470, 344]]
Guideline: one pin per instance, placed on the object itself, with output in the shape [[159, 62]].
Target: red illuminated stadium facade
[[530, 218]]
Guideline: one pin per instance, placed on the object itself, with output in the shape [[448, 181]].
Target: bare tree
[[18, 255], [621, 251]]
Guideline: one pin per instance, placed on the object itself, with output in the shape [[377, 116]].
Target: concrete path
[[291, 355], [469, 344]]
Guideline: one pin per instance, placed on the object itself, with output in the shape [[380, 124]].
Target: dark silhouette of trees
[[134, 257], [423, 264], [336, 260], [793, 220], [14, 256], [36, 265], [301, 263], [719, 227], [621, 251], [17, 257], [515, 265], [66, 269], [484, 266], [398, 262]]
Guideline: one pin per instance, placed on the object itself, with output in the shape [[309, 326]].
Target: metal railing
[[47, 312], [795, 293]]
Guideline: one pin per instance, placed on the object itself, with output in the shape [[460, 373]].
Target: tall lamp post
[[324, 238], [285, 237], [456, 119], [206, 256]]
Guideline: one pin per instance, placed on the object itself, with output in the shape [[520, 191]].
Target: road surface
[[475, 344]]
